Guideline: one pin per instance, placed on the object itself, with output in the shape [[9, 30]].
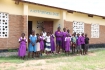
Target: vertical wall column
[[25, 19], [60, 21], [63, 17]]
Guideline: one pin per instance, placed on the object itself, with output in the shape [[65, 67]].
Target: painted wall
[[60, 21], [84, 18], [42, 11], [10, 7]]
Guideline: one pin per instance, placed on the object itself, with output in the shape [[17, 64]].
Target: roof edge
[[58, 8]]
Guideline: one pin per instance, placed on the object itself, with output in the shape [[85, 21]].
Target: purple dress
[[41, 43], [63, 39], [67, 43], [78, 42], [82, 40], [52, 43], [22, 48]]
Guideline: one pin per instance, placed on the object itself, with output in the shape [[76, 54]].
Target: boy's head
[[37, 34], [74, 34], [64, 29], [85, 35], [82, 34], [78, 34], [59, 28], [68, 30]]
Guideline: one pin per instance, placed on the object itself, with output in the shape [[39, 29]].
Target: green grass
[[12, 50], [11, 59], [84, 62], [64, 62]]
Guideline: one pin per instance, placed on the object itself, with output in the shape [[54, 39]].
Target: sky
[[96, 7]]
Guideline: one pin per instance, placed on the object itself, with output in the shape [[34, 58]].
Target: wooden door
[[29, 28], [48, 25]]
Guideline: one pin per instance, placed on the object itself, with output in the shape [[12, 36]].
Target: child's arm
[[25, 40], [20, 40]]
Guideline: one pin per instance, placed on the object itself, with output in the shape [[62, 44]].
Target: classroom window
[[4, 25], [78, 27]]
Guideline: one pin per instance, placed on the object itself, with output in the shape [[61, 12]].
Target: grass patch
[[95, 60], [11, 59], [12, 50]]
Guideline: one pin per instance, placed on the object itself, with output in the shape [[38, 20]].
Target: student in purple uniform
[[68, 31], [86, 44], [41, 43], [52, 43], [22, 48], [64, 34], [83, 43], [67, 43], [78, 43], [58, 35]]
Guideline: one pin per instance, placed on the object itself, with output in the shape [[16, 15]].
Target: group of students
[[44, 43]]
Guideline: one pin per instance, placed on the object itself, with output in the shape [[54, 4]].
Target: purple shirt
[[64, 34], [78, 41], [82, 40], [58, 35]]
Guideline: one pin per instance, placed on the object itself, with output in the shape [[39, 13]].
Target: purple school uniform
[[82, 40], [78, 42], [67, 43], [58, 35], [22, 48], [69, 35], [64, 34], [41, 43], [52, 43]]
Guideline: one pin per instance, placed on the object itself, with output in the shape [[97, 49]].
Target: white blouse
[[23, 38], [47, 38], [67, 38]]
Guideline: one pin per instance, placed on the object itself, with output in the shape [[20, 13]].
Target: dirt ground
[[41, 64]]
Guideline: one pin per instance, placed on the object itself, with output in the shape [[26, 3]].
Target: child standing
[[64, 33], [74, 38], [41, 43], [38, 45], [22, 48], [86, 44], [48, 43], [52, 43], [83, 43], [67, 43], [32, 44], [68, 31], [78, 43]]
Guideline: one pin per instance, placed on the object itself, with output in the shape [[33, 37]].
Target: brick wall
[[16, 27], [101, 39], [48, 25]]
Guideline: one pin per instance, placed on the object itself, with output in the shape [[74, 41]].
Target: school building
[[20, 16]]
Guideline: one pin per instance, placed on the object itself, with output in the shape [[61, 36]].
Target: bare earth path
[[92, 61]]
